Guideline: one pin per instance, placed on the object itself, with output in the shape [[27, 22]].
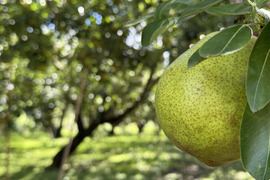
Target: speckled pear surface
[[200, 109]]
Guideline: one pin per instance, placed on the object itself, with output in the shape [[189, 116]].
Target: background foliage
[[49, 48]]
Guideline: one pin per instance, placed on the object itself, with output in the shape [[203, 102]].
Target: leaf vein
[[231, 39], [259, 80]]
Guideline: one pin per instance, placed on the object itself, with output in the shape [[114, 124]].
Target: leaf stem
[[251, 3]]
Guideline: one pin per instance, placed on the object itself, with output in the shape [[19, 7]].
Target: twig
[[77, 111]]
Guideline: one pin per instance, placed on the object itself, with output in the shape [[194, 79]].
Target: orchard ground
[[126, 155]]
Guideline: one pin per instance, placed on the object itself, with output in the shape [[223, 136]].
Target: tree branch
[[77, 111], [80, 123], [150, 83]]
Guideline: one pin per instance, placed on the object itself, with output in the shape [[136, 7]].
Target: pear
[[200, 109]]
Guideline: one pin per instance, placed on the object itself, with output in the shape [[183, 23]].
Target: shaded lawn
[[145, 156]]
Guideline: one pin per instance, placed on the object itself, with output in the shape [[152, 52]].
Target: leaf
[[260, 3], [163, 9], [258, 76], [230, 9], [255, 143], [190, 2], [197, 8], [136, 21], [227, 41], [179, 7], [154, 29], [185, 19], [194, 59]]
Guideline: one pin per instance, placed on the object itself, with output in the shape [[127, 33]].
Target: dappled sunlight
[[124, 156]]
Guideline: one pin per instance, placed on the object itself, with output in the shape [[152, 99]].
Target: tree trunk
[[111, 133], [58, 132], [76, 142], [103, 117], [140, 127], [58, 157]]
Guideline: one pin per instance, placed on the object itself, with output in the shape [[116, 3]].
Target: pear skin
[[200, 109]]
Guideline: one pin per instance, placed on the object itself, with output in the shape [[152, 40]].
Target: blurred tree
[[45, 46]]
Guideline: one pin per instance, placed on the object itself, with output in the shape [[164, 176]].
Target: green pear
[[200, 109]]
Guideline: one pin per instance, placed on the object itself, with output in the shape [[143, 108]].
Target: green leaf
[[185, 19], [255, 143], [194, 59], [136, 21], [190, 2], [258, 77], [261, 3], [230, 9], [163, 9], [227, 41], [197, 8], [154, 29]]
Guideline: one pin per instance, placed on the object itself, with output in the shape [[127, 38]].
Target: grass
[[145, 156]]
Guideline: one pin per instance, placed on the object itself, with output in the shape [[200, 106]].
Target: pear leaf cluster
[[178, 12]]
